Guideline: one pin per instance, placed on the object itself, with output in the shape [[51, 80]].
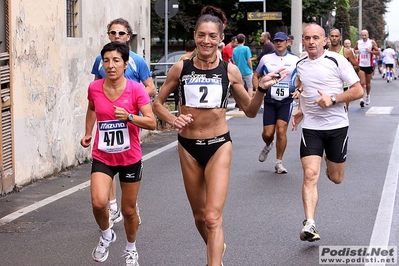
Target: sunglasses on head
[[120, 33]]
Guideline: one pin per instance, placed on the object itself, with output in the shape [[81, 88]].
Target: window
[[72, 18]]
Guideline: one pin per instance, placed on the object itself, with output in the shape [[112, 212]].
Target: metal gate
[[7, 177]]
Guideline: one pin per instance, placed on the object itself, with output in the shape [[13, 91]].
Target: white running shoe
[[265, 151], [361, 102], [367, 99], [131, 258], [114, 217], [100, 253], [280, 168], [309, 232]]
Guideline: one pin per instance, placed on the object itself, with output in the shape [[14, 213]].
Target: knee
[[267, 136], [129, 213], [199, 216], [310, 176], [99, 204], [213, 219], [336, 178]]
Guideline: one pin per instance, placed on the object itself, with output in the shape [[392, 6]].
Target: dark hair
[[212, 14], [240, 38], [121, 48], [120, 21], [190, 45]]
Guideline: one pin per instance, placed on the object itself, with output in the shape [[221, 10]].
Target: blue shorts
[[276, 111], [334, 142]]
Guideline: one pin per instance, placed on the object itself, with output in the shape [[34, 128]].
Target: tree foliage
[[181, 26], [372, 18], [342, 18]]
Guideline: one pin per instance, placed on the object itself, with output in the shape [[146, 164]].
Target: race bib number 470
[[113, 136]]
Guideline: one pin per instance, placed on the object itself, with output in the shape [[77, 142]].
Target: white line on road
[[383, 220], [12, 216]]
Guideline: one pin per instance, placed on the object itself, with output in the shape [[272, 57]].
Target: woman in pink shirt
[[114, 103]]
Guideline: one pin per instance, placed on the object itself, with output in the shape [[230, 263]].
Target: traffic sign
[[264, 15], [173, 7]]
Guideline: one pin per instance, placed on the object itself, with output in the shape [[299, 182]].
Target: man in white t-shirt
[[322, 75], [389, 59]]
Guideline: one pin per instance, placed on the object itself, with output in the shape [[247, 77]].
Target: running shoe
[[361, 102], [100, 253], [309, 232], [224, 249], [131, 258], [265, 151], [280, 168], [138, 211], [367, 99], [114, 217]]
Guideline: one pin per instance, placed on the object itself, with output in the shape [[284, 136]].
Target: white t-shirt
[[327, 74], [389, 56]]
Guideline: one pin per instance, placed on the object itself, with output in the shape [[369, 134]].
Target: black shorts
[[367, 70], [389, 65], [334, 142], [202, 150], [129, 173]]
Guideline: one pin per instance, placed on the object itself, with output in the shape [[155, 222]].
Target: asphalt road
[[50, 222]]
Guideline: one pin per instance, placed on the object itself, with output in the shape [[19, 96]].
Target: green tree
[[182, 25], [372, 18], [342, 18]]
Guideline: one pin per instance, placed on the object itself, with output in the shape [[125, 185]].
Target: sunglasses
[[120, 33]]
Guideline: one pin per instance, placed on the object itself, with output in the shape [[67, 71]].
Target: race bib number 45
[[280, 91], [113, 136]]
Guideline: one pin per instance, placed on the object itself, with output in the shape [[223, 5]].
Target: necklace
[[208, 62]]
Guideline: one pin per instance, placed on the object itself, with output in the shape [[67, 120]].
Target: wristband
[[262, 89]]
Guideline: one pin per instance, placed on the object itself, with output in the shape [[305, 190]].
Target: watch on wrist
[[130, 118], [333, 99]]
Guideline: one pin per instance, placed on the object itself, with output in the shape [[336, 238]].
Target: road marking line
[[12, 216], [383, 220], [383, 110]]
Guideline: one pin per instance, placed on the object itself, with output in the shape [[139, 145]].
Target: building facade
[[47, 49]]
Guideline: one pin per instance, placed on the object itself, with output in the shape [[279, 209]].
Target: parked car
[[162, 70]]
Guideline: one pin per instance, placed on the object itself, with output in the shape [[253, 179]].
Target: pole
[[360, 17], [264, 10], [166, 33], [296, 26]]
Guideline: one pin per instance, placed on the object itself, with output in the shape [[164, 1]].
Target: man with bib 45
[[278, 99]]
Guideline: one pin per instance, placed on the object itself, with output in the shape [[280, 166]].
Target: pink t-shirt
[[117, 143]]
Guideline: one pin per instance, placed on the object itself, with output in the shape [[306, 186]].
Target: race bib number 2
[[113, 136], [203, 96]]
